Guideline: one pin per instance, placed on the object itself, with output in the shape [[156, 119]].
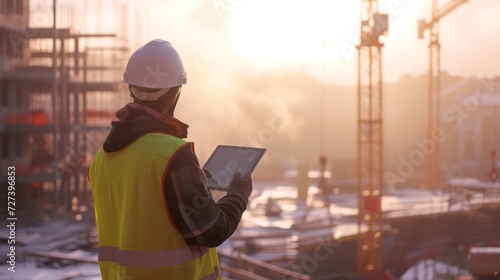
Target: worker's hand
[[242, 185]]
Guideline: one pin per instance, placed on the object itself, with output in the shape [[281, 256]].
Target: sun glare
[[279, 33]]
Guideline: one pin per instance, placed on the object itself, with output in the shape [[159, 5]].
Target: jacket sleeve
[[193, 211]]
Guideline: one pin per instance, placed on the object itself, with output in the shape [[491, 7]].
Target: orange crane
[[434, 119], [370, 162]]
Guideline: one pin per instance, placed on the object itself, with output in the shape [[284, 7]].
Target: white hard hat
[[155, 65]]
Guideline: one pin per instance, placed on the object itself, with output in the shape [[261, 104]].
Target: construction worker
[[155, 215]]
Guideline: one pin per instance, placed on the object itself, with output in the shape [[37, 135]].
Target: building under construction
[[59, 88]]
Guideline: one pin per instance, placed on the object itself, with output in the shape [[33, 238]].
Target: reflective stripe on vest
[[150, 259]]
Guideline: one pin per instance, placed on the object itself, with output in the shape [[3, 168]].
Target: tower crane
[[370, 167], [434, 119]]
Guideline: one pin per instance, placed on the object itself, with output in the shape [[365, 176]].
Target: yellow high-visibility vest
[[137, 238]]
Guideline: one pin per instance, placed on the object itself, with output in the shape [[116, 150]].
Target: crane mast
[[370, 167], [434, 114]]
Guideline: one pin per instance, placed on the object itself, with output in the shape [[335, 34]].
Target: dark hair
[[160, 103]]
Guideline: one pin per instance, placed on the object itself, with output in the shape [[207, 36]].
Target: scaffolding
[[59, 89]]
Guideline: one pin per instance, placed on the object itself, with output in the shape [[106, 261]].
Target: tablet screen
[[226, 160]]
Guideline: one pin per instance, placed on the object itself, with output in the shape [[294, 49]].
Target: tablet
[[226, 160]]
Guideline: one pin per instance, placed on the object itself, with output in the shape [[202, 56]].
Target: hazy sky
[[314, 35]]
